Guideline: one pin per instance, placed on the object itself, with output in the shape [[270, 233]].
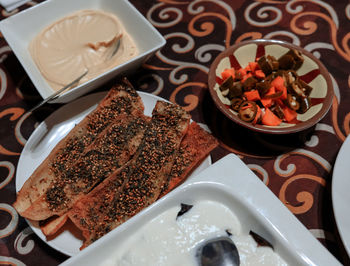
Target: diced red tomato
[[270, 119], [289, 114], [252, 95], [259, 74], [227, 73], [278, 83]]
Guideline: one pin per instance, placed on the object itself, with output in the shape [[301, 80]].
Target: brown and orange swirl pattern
[[297, 167]]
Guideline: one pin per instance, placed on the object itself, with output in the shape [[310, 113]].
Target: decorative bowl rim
[[260, 128]]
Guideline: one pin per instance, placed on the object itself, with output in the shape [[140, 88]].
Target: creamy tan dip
[[83, 40]]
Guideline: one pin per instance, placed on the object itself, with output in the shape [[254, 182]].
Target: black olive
[[274, 95], [264, 65], [249, 83], [236, 90], [292, 102], [236, 103], [305, 87], [305, 104], [293, 59], [247, 111], [184, 208], [260, 240], [273, 62], [277, 110], [263, 87], [286, 62], [298, 58], [297, 89], [227, 84]]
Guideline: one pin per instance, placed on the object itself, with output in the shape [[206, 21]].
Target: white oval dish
[[230, 182], [44, 139], [340, 193]]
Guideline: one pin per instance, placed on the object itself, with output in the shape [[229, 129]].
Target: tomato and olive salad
[[267, 91]]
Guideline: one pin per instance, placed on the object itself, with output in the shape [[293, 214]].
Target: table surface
[[297, 168]]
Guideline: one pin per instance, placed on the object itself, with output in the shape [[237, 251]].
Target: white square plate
[[21, 28], [230, 182]]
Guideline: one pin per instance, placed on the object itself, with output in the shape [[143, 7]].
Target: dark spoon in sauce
[[219, 251]]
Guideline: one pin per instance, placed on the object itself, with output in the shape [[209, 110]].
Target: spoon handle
[[56, 94]]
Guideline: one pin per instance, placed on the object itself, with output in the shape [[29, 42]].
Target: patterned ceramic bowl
[[312, 72]]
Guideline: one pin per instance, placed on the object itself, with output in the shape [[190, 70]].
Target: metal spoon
[[57, 93], [116, 47], [219, 251]]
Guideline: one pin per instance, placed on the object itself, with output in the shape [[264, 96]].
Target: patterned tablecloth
[[297, 168]]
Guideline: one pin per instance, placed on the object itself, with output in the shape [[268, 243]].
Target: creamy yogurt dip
[[170, 239], [83, 40]]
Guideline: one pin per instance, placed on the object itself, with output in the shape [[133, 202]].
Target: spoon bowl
[[219, 251]]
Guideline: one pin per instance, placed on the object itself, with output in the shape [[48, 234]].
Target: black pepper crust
[[73, 168], [194, 148], [126, 102], [111, 150], [138, 183]]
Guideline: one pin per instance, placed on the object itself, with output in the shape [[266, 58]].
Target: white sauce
[[167, 241]]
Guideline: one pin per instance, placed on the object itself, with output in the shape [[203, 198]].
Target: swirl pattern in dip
[[83, 40]]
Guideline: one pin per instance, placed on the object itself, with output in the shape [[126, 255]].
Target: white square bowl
[[229, 182], [21, 28]]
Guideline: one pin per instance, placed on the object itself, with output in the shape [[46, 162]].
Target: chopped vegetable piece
[[249, 82], [263, 87], [236, 103], [236, 90], [280, 102], [278, 83], [259, 74], [227, 84], [228, 72], [298, 58], [293, 59], [241, 72], [246, 76], [271, 90], [275, 95], [286, 62], [292, 102], [284, 94], [264, 65], [277, 110], [252, 95], [247, 111], [304, 105], [253, 66], [297, 89], [247, 68], [258, 115], [270, 119], [268, 64], [306, 87], [266, 102], [289, 114]]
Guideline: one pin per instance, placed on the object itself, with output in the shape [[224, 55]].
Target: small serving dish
[[21, 28], [311, 72], [256, 207]]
